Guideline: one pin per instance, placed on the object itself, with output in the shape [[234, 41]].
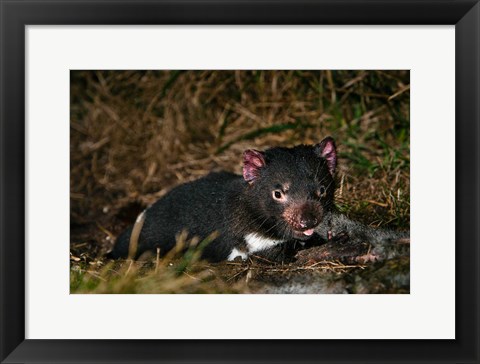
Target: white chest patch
[[257, 243], [237, 253]]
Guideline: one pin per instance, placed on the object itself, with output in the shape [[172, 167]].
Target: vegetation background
[[136, 134]]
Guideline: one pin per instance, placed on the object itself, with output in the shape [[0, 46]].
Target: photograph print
[[239, 181]]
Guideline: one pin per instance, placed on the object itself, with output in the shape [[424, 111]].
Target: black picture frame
[[15, 15]]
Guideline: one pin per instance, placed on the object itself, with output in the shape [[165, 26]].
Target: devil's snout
[[304, 217]]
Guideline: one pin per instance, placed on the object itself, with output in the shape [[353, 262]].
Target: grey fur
[[386, 243]]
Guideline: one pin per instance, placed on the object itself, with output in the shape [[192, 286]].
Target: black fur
[[234, 206]]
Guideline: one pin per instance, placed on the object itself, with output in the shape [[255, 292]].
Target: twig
[[157, 261], [137, 229], [129, 267], [237, 274], [399, 92], [381, 204]]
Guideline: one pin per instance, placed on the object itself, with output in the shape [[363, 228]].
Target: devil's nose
[[308, 222]]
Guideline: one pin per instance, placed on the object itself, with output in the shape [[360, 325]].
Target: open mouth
[[308, 232], [303, 233]]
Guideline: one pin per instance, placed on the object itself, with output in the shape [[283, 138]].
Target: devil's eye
[[322, 190], [277, 195]]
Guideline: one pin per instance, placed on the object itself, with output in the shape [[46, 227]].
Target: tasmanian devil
[[283, 195]]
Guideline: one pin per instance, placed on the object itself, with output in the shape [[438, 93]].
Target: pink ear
[[253, 161], [326, 149]]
